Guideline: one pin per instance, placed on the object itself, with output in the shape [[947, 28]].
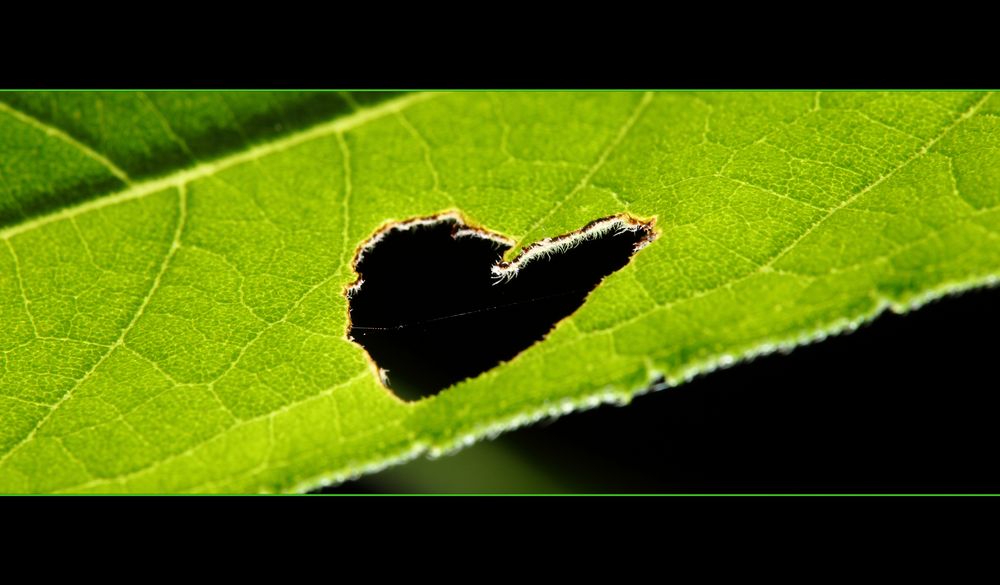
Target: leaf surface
[[173, 265]]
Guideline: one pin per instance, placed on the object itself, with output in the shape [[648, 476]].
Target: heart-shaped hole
[[435, 304]]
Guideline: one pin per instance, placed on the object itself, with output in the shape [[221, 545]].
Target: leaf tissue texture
[[173, 265]]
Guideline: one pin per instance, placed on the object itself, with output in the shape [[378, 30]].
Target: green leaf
[[173, 265]]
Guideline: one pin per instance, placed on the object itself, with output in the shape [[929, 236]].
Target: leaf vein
[[20, 286], [59, 134], [138, 190], [766, 267], [240, 423], [174, 245], [602, 159]]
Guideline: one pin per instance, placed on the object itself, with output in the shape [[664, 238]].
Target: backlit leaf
[[173, 265]]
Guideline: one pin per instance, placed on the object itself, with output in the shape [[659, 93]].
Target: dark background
[[905, 404]]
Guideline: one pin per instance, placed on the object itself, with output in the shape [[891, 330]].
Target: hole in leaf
[[435, 304]]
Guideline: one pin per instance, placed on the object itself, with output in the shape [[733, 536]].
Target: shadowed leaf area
[[141, 134]]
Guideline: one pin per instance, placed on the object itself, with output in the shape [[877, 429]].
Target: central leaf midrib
[[185, 175]]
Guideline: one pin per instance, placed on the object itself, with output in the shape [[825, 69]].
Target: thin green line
[[477, 90], [519, 495]]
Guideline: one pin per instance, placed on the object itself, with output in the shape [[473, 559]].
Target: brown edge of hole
[[465, 228]]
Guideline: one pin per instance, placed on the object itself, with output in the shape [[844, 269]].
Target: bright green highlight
[[172, 265]]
